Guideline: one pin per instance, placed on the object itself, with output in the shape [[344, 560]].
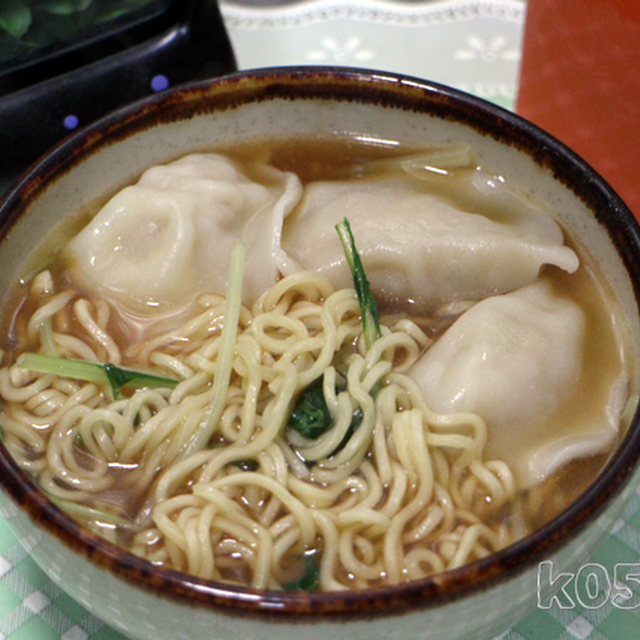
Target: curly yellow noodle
[[95, 327], [46, 311], [350, 545], [397, 502], [68, 346]]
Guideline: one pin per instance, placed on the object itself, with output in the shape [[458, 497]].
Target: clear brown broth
[[331, 159]]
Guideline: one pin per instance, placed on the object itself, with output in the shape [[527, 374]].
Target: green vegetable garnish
[[310, 578], [310, 416], [368, 306], [226, 353], [96, 372]]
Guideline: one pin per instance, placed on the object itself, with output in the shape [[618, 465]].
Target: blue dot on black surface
[[71, 122], [159, 82]]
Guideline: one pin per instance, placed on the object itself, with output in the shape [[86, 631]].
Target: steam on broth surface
[[279, 442]]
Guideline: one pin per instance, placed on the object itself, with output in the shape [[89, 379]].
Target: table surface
[[473, 45]]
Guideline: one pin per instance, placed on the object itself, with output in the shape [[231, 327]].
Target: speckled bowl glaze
[[144, 601]]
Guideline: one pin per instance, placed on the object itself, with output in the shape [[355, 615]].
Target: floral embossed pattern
[[471, 45]]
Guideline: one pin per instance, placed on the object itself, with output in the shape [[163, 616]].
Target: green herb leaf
[[15, 17], [368, 306], [226, 353], [310, 578], [116, 377], [119, 377], [310, 416]]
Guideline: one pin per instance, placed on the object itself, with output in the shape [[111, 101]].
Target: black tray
[[70, 85]]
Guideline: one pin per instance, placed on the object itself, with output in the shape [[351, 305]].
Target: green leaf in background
[[27, 26], [64, 7], [15, 17]]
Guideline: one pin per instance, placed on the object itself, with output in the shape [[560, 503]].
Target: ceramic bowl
[[144, 601]]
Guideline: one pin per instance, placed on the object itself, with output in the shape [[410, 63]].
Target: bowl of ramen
[[315, 350]]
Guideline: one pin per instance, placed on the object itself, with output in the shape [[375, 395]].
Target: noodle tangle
[[405, 495]]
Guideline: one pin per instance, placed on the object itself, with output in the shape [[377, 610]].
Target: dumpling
[[420, 247], [174, 230], [516, 360]]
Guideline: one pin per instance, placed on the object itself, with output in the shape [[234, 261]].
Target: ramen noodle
[[273, 441]]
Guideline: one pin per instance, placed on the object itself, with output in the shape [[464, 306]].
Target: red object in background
[[580, 81]]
